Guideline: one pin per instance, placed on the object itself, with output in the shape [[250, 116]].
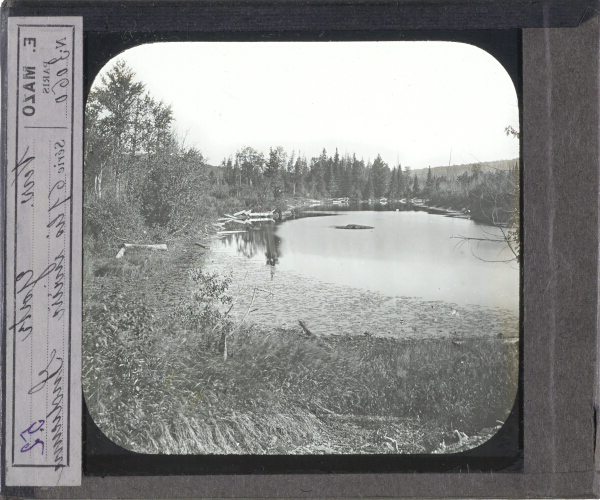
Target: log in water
[[353, 226]]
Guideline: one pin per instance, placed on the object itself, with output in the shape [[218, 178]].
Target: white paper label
[[43, 251]]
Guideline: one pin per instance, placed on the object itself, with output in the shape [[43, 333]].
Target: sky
[[415, 103]]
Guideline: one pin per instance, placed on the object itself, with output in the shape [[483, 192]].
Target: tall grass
[[156, 385]]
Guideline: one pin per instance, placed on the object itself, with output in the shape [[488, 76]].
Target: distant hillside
[[459, 169]]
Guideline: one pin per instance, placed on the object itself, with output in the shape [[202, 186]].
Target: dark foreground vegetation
[[165, 368]]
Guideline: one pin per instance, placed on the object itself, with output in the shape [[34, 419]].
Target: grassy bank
[[156, 381]]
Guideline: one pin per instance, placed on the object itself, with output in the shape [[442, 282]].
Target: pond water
[[410, 275]]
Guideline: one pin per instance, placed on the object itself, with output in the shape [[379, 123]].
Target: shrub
[[201, 313], [107, 223], [118, 330]]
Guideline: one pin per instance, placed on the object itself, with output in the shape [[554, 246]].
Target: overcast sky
[[412, 102]]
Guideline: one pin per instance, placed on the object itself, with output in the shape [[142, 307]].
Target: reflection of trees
[[261, 239]]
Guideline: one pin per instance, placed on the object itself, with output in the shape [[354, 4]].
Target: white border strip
[[44, 174]]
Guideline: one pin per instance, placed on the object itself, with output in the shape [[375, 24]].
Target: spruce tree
[[429, 183], [393, 185], [380, 175], [416, 188]]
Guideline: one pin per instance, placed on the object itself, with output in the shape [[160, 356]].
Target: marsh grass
[[154, 384]]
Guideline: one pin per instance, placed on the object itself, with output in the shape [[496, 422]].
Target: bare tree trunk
[[98, 183]]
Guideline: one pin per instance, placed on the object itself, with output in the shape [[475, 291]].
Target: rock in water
[[353, 226]]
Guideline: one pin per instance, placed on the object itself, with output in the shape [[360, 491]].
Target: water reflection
[[256, 241]]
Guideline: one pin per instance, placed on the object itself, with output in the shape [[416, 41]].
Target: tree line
[[324, 176]]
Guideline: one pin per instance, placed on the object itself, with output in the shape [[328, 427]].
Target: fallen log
[[125, 246], [206, 247], [260, 214], [261, 219], [306, 330], [247, 217]]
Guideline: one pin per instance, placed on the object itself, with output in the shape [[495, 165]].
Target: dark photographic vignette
[[102, 459]]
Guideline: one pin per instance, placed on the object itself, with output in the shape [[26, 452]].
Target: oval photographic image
[[301, 248]]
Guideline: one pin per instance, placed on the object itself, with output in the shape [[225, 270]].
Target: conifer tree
[[429, 183], [380, 175], [416, 189]]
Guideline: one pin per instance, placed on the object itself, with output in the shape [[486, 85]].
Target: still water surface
[[409, 270]]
